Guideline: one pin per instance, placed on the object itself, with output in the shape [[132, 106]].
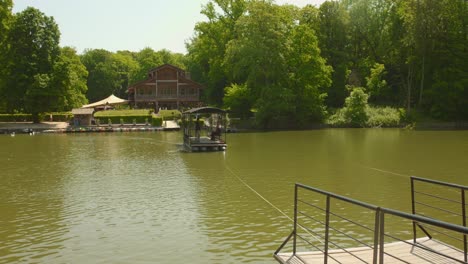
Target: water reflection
[[31, 224], [135, 197]]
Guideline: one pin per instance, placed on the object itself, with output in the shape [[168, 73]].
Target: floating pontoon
[[204, 129], [323, 232]]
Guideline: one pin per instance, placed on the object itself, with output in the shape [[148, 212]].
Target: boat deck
[[205, 144], [397, 252]]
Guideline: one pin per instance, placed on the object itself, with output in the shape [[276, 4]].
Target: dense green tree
[[62, 89], [69, 81], [34, 49], [333, 35], [124, 65], [257, 55], [103, 79], [207, 49], [5, 23], [309, 76], [376, 84], [147, 59], [238, 100], [436, 35]]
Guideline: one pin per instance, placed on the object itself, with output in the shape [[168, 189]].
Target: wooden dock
[[397, 252], [382, 245]]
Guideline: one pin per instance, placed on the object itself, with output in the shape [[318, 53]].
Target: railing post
[[413, 208], [376, 235], [295, 218], [464, 222], [327, 230], [381, 237]]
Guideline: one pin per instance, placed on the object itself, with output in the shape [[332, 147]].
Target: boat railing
[[432, 196], [325, 222]]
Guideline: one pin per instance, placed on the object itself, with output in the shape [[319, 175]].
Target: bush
[[383, 117], [355, 110], [358, 113], [156, 121], [123, 116], [337, 119], [58, 116], [170, 114], [15, 118]]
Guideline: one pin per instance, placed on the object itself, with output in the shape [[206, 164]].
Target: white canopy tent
[[111, 100]]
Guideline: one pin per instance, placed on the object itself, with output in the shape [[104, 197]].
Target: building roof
[[183, 77], [111, 100], [205, 110], [82, 111]]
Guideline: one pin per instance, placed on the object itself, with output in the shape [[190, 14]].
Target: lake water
[[136, 198]]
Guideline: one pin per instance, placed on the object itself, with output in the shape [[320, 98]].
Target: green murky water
[[136, 198]]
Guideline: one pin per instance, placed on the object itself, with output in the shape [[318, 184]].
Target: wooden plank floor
[[405, 252]]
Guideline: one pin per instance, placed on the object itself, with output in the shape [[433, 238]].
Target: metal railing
[[460, 203], [323, 243]]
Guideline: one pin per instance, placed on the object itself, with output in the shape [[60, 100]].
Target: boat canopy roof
[[205, 110]]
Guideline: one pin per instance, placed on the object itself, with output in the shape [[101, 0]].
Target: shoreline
[[64, 127]]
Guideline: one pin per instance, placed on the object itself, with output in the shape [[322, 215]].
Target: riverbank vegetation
[[140, 116], [285, 65]]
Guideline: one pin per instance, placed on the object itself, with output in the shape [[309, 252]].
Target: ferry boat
[[204, 129]]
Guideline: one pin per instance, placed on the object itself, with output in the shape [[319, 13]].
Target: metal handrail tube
[[330, 195], [458, 186], [465, 247], [462, 189], [431, 221], [296, 193], [397, 258], [312, 218], [317, 248], [284, 243], [339, 231], [327, 230], [311, 205], [308, 242], [418, 246], [352, 238], [346, 219], [339, 197], [314, 233], [438, 232], [438, 197], [440, 209], [351, 221]]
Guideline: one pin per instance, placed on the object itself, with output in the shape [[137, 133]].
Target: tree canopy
[[288, 65]]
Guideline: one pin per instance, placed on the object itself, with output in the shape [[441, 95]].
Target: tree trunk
[[421, 88], [408, 84]]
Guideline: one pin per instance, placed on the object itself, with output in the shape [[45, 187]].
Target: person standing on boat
[[197, 128]]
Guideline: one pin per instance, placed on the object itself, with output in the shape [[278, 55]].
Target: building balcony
[[145, 98]]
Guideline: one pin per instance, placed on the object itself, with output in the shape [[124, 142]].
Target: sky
[[127, 25]]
